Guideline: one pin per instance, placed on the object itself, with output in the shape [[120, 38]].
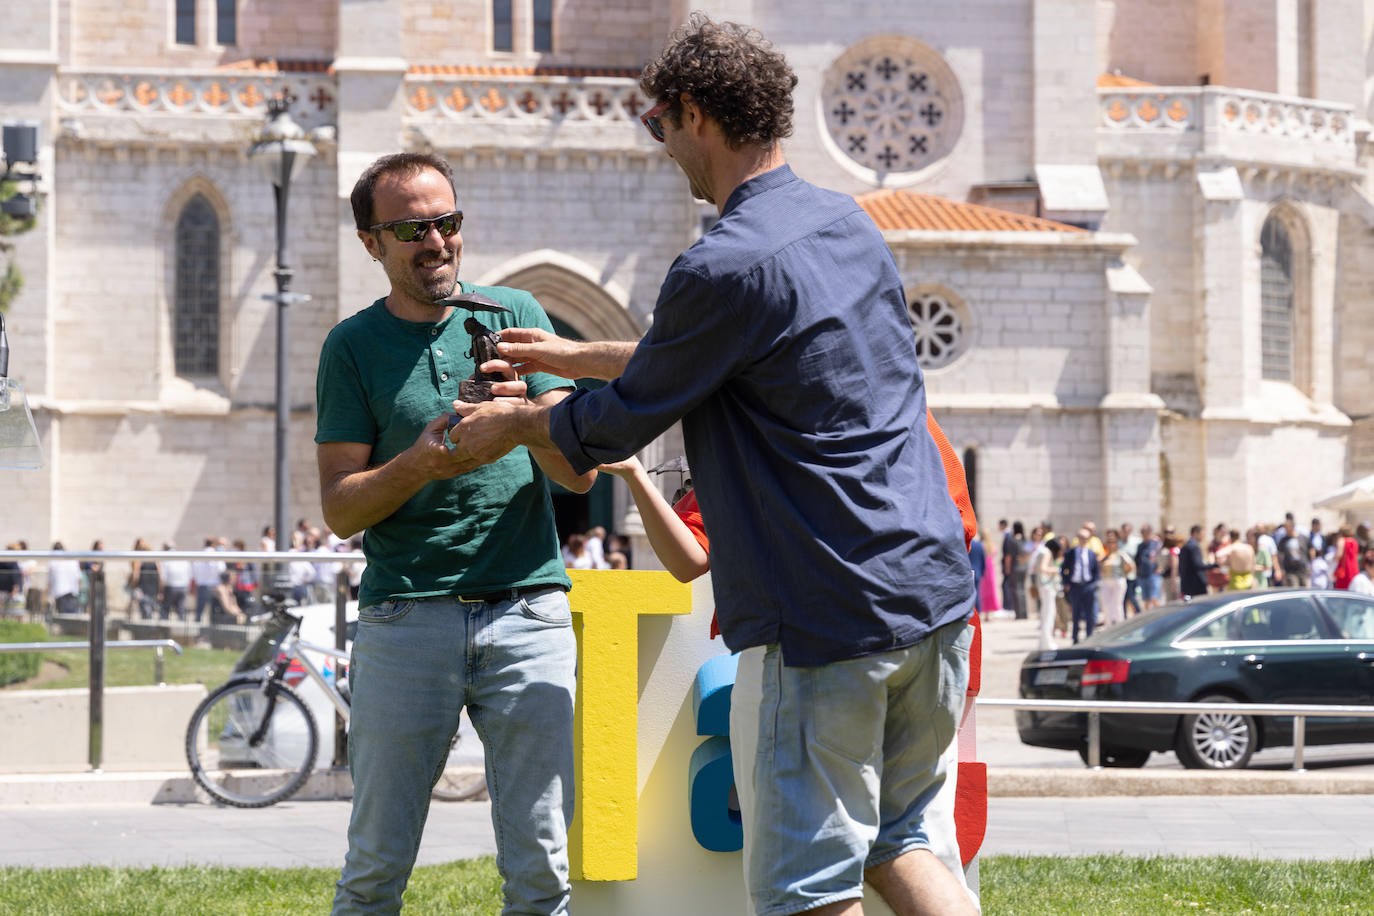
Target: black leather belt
[[505, 594]]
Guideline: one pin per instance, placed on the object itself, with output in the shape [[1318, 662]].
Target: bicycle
[[252, 742]]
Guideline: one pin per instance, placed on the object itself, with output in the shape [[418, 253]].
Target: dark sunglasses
[[413, 230], [650, 120]]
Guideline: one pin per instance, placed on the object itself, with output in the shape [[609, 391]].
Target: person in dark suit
[[1192, 570], [1081, 573]]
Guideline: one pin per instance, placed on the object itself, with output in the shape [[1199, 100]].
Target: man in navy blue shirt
[[781, 340]]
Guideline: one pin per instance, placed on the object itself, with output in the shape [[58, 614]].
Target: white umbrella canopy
[[1358, 494]]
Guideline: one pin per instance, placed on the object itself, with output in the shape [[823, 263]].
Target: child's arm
[[674, 543]]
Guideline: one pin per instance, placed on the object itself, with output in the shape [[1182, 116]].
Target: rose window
[[940, 327], [892, 106]]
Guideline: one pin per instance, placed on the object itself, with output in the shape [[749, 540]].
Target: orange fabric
[[957, 482]]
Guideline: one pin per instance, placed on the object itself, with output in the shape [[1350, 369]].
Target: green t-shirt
[[381, 380]]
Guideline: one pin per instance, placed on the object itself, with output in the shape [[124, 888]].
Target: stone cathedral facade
[[1136, 234]]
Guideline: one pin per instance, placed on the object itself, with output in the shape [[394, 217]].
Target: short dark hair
[[397, 163], [733, 73], [1195, 530]]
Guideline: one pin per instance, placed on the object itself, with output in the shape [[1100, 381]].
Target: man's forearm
[[604, 359], [354, 501], [530, 427]]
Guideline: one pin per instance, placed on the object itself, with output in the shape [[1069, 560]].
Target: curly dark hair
[[733, 73], [407, 164]]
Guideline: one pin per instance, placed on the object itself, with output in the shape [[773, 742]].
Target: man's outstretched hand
[[536, 350]]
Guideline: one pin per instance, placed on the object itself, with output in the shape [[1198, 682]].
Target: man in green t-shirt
[[464, 599]]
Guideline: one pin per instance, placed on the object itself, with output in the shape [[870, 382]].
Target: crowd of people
[[594, 549], [1081, 582], [212, 589]]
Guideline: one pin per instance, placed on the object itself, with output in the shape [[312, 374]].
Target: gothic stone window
[[502, 26], [541, 15], [186, 22], [195, 327], [940, 323], [892, 107], [1276, 302], [226, 22]]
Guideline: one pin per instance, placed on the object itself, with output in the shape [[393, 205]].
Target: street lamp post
[[281, 149]]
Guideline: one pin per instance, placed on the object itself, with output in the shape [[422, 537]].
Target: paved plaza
[[314, 833]]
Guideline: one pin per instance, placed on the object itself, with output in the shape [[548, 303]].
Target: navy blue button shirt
[[781, 340]]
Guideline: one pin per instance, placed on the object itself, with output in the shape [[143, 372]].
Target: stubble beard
[[413, 284]]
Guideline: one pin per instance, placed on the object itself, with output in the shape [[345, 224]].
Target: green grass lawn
[[1011, 886], [134, 667], [1014, 886], [123, 667]]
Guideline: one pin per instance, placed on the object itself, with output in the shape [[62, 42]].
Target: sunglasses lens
[[413, 230], [410, 230], [655, 128]]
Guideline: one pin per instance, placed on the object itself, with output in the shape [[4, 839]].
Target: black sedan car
[[1281, 646]]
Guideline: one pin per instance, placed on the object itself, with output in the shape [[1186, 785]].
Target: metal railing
[[97, 643], [156, 644], [1094, 708]]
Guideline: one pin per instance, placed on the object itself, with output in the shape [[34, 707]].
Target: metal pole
[[282, 488], [158, 679], [1299, 740], [340, 642], [1094, 740], [97, 688]]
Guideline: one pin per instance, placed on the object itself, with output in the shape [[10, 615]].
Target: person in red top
[[1347, 558]]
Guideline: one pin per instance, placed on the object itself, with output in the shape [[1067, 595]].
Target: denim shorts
[[1151, 587], [836, 765]]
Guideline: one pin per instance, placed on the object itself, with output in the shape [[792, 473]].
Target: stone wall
[[1155, 204], [985, 42], [1028, 394], [142, 33], [1151, 40], [588, 33], [1037, 320]]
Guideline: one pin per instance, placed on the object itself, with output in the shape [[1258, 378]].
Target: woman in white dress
[[1044, 578], [1116, 569]]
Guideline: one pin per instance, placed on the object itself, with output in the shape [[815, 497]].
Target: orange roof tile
[[1117, 81], [540, 70], [908, 210]]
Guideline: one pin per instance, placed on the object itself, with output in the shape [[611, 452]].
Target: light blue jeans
[[841, 767], [415, 665]]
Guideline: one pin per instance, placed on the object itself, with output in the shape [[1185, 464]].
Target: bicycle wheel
[[247, 750], [464, 776]]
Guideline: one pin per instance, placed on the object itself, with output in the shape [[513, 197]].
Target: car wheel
[[1216, 740], [1125, 757]]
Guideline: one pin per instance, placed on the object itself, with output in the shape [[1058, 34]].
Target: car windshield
[[1145, 627]]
